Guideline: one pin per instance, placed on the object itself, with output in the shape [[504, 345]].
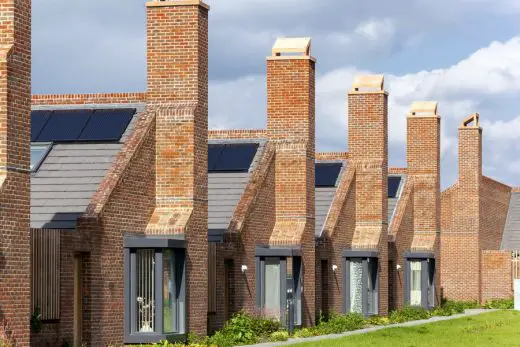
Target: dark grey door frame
[[427, 265], [365, 256]]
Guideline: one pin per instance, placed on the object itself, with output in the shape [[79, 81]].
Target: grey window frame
[[131, 245], [366, 256], [280, 255], [426, 259]]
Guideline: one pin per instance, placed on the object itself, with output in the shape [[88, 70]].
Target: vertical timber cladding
[[45, 250]]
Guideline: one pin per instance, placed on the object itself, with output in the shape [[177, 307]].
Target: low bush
[[281, 335], [377, 320], [305, 332], [408, 313], [340, 323], [501, 304]]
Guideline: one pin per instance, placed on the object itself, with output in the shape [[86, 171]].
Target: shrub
[[341, 323], [281, 335], [501, 304], [304, 332], [377, 320], [263, 327], [408, 313]]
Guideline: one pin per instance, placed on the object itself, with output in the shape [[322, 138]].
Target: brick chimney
[[290, 125], [368, 154], [423, 156], [15, 137], [177, 42]]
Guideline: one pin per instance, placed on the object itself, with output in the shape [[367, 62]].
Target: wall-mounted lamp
[[334, 268], [244, 268], [398, 267]]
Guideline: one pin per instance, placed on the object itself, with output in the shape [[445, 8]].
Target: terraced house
[[124, 220]]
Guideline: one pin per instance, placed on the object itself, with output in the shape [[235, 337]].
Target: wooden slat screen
[[45, 250], [212, 277]]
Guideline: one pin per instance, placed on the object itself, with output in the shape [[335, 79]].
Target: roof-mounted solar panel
[[38, 121], [393, 186], [107, 125], [64, 125], [327, 174], [231, 157]]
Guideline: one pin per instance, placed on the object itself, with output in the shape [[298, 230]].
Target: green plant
[[501, 304], [65, 343], [304, 332], [408, 313], [341, 323], [377, 320], [36, 321], [281, 335]]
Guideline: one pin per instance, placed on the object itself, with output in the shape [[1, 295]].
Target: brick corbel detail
[[122, 161], [236, 134], [251, 192], [85, 99], [340, 199]]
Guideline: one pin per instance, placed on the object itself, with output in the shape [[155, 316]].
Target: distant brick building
[[144, 225]]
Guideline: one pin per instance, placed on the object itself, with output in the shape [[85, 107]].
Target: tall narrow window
[[356, 285], [431, 282], [415, 283], [372, 293], [272, 287], [169, 301], [145, 290]]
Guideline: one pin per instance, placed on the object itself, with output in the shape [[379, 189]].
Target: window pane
[[415, 283], [168, 291], [431, 283], [37, 153], [372, 290], [145, 282], [356, 285], [272, 288]]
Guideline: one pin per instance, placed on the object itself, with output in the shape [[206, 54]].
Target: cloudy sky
[[465, 54]]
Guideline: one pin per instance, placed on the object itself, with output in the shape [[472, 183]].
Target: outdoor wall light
[[398, 267], [244, 268], [334, 268]]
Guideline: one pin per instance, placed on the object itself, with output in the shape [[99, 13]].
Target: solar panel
[[64, 125], [107, 125], [234, 157], [214, 152], [38, 120], [393, 185], [327, 174]]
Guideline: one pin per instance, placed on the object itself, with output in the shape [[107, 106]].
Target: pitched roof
[[511, 235]]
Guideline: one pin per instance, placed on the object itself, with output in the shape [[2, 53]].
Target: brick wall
[[368, 154], [494, 201], [85, 99], [291, 128], [177, 61], [15, 78], [496, 275]]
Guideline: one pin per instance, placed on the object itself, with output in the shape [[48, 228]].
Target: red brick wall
[[291, 127], [368, 153], [177, 57], [85, 99], [496, 275], [15, 77]]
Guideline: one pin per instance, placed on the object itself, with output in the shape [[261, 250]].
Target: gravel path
[[291, 341]]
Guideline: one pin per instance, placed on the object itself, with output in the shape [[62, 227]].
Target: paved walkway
[[467, 313]]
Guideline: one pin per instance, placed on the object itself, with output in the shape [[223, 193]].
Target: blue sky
[[465, 54]]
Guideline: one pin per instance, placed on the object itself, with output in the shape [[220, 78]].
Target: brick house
[[146, 225]]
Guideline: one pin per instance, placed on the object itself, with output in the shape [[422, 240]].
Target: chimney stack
[[15, 139], [368, 155], [177, 43], [291, 127], [423, 156]]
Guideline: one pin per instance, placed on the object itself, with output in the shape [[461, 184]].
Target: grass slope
[[501, 328]]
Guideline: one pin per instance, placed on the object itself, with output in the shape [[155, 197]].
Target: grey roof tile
[[511, 235]]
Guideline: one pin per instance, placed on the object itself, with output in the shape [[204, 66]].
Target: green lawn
[[501, 328]]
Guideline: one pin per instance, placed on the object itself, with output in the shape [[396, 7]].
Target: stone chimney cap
[[371, 83], [292, 45], [472, 118], [424, 108]]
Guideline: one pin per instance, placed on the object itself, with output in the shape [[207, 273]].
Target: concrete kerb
[[467, 313]]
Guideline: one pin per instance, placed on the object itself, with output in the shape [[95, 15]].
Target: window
[[420, 280], [361, 287], [38, 153], [154, 293], [277, 287]]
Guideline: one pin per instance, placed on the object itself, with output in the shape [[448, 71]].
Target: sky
[[465, 54]]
